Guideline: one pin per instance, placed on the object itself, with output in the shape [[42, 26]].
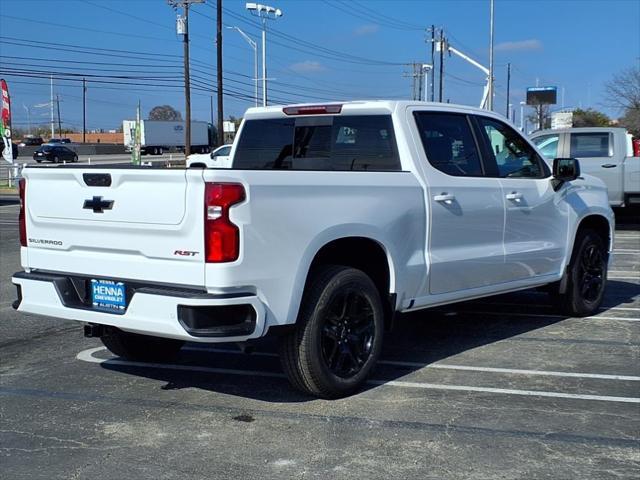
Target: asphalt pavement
[[499, 388]]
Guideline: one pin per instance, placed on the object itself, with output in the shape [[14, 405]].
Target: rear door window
[[349, 142], [449, 144], [590, 144]]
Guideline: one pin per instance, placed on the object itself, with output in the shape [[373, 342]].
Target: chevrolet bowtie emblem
[[98, 205]]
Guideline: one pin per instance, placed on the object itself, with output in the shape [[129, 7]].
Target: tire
[[56, 160], [145, 348], [160, 151], [38, 161], [338, 334], [586, 276], [75, 158]]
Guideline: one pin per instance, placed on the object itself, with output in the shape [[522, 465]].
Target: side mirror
[[566, 169], [212, 155]]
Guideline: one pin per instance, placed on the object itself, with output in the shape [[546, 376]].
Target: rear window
[[350, 142], [590, 145]]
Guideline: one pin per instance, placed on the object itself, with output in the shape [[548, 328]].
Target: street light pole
[[490, 104], [253, 45], [28, 117], [265, 12], [522, 104]]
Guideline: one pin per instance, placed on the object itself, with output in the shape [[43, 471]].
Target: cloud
[[531, 44], [307, 66], [366, 30]]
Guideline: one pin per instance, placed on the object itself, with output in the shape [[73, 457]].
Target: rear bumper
[[159, 310]]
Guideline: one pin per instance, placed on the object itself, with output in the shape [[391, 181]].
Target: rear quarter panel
[[290, 215]]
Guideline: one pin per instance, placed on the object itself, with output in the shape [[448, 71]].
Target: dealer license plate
[[108, 295]]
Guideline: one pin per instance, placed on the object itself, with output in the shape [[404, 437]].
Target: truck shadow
[[417, 340]]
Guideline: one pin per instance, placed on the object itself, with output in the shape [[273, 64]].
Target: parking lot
[[496, 388]]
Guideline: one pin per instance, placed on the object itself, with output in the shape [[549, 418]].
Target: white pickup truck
[[332, 219], [607, 153]]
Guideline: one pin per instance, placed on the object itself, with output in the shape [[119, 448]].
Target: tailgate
[[121, 223]]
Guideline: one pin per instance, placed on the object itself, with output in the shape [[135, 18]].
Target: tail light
[[22, 221], [221, 236], [636, 147]]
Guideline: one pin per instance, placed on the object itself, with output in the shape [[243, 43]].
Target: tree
[[590, 118], [623, 93], [541, 117], [631, 121], [165, 112]]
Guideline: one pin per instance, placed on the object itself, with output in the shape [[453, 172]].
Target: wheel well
[[364, 254], [598, 224]]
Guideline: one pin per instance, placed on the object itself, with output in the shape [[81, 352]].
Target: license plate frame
[[108, 295]]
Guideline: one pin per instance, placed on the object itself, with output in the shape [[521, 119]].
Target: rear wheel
[[586, 276], [160, 151], [145, 348], [338, 334], [75, 158], [56, 160]]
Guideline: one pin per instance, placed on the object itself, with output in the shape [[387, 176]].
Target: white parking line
[[87, 356], [540, 315], [507, 391], [626, 251], [532, 305], [446, 366]]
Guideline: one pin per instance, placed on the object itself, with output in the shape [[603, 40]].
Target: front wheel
[[56, 160], [586, 276], [137, 347], [338, 334]]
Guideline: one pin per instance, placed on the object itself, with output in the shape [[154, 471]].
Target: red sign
[[6, 105]]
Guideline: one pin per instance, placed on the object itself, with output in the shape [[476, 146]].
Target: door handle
[[609, 165], [445, 197], [514, 196]]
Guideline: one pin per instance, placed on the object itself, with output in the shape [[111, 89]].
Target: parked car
[[55, 154], [31, 142], [333, 218], [219, 158], [604, 152], [53, 141]]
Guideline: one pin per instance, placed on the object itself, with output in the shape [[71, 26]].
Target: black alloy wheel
[[348, 334], [586, 276], [338, 334], [591, 273]]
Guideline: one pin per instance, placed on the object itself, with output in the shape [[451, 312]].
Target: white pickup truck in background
[[604, 152], [332, 219]]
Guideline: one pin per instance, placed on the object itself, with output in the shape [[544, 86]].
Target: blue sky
[[333, 49]]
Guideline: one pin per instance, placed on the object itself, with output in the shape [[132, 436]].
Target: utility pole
[[51, 108], [182, 28], [490, 104], [59, 122], [433, 59], [84, 110], [508, 82], [219, 64], [441, 66]]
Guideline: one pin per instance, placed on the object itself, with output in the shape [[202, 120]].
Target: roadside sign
[[542, 95], [561, 120], [5, 122]]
